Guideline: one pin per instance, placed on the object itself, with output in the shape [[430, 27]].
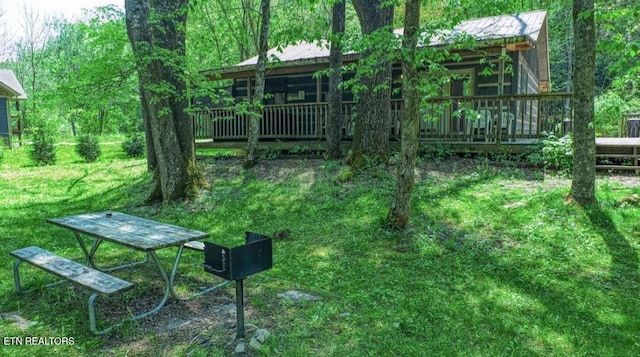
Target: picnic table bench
[[98, 282]]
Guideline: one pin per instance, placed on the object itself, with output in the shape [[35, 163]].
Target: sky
[[47, 8]]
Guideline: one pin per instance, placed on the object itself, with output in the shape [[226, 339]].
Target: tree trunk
[[102, 113], [584, 146], [371, 133], [156, 32], [334, 117], [400, 211], [255, 116], [152, 160]]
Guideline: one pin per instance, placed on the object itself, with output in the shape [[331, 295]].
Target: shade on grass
[[494, 263]]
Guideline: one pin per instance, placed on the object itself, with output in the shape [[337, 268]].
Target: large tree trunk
[[584, 146], [258, 99], [152, 160], [371, 134], [156, 32], [400, 211], [334, 117]]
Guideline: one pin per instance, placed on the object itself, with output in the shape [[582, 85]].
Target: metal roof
[[527, 24], [487, 31], [300, 51], [9, 83]]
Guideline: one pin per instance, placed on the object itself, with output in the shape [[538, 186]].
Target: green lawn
[[495, 262]]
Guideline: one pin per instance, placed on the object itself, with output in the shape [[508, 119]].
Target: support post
[[497, 125], [240, 308]]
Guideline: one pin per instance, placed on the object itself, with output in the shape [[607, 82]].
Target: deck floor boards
[[624, 151], [628, 142], [612, 148]]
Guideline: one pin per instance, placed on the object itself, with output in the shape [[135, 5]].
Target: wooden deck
[[618, 154], [490, 119], [611, 153]]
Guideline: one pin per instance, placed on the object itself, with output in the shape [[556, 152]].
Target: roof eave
[[277, 66], [517, 43], [11, 91]]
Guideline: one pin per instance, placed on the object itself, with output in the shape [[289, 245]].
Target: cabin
[[497, 93], [11, 95]]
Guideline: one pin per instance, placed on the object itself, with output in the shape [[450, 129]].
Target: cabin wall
[[5, 128], [240, 91], [487, 77], [283, 89], [526, 65], [522, 79], [303, 88]]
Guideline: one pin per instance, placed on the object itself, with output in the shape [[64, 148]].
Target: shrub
[[43, 152], [609, 108], [88, 147], [558, 153], [1, 153], [134, 145]]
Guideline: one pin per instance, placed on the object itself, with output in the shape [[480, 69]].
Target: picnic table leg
[[16, 276], [198, 293], [167, 287], [163, 301], [90, 253], [92, 318], [18, 284], [173, 273], [165, 297]]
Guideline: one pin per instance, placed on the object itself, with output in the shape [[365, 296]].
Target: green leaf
[[585, 14]]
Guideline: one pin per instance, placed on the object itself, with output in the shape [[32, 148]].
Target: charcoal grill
[[237, 263]]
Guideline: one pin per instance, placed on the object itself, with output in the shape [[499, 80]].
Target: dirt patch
[[209, 319]]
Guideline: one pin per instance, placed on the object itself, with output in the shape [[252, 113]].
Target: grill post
[[240, 308], [237, 263]]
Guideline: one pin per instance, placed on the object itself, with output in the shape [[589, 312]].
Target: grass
[[494, 264]]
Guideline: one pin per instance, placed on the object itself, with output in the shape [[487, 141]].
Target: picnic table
[[129, 231]]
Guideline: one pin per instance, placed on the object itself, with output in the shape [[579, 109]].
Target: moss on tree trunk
[[584, 142], [400, 212], [158, 44], [371, 133]]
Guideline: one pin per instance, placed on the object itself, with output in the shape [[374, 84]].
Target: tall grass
[[495, 262]]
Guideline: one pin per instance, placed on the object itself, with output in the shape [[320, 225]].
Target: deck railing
[[482, 118], [496, 118]]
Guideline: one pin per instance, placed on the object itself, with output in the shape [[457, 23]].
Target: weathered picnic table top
[[131, 231]]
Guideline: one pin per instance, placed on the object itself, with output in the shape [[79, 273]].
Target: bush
[[43, 152], [134, 145], [558, 153], [609, 108], [88, 147]]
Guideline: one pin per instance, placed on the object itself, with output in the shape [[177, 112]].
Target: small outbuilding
[[11, 94]]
